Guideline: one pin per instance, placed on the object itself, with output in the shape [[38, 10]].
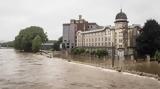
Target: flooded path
[[30, 71]]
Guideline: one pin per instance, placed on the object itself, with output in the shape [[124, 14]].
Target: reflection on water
[[153, 67], [30, 71]]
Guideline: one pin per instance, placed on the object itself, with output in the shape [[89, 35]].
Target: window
[[109, 33], [109, 44], [120, 40], [120, 34], [105, 44], [106, 39], [115, 34], [109, 39], [120, 46]]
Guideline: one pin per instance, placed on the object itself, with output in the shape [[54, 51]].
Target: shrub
[[78, 51], [157, 55], [101, 53], [92, 52]]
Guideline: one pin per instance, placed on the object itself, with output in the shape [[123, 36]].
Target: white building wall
[[72, 35], [66, 32], [108, 38], [69, 35]]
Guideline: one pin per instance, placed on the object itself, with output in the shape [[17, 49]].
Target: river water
[[30, 71], [131, 65]]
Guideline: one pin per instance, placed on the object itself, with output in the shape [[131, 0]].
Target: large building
[[120, 38], [70, 30]]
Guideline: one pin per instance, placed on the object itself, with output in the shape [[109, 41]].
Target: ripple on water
[[25, 71]]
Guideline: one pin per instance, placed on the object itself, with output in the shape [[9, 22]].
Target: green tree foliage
[[101, 53], [149, 40], [36, 43], [56, 45], [78, 51], [157, 56], [7, 44], [25, 38], [93, 52]]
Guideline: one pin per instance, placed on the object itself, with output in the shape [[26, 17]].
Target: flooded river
[[130, 65], [30, 71]]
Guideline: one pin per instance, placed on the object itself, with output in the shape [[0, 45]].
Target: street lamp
[[113, 54]]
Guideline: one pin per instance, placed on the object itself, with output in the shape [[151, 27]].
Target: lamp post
[[113, 54]]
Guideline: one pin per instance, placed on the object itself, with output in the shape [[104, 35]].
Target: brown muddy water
[[30, 71], [130, 65]]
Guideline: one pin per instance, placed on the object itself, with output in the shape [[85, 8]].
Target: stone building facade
[[120, 38]]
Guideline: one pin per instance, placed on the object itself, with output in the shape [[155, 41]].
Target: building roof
[[135, 26], [50, 42], [92, 23], [121, 15], [66, 24], [97, 30]]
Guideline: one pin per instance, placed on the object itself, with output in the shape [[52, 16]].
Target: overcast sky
[[51, 14]]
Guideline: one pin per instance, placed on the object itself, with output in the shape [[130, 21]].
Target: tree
[[7, 44], [149, 40], [101, 53], [36, 43], [78, 51], [23, 41], [56, 45]]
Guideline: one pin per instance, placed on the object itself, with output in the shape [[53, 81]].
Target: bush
[[78, 51], [92, 52], [87, 51], [101, 53], [157, 55]]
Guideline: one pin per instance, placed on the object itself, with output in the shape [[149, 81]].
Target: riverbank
[[68, 58]]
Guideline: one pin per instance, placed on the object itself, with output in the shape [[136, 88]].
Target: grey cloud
[[51, 14]]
